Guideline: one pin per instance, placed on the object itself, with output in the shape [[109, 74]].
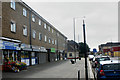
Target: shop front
[[42, 55], [26, 54], [10, 50], [52, 56]]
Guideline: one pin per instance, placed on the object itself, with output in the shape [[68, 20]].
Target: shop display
[[15, 66]]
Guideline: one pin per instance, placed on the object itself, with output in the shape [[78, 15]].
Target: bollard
[[78, 74]]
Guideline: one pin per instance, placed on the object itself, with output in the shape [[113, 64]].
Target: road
[[59, 69]]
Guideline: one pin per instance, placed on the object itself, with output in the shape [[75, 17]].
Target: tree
[[82, 49]]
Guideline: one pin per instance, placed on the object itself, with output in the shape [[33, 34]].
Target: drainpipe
[[30, 40]]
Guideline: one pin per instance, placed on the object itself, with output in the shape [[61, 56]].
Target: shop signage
[[26, 47], [42, 49], [53, 50], [61, 51], [1, 44], [10, 45], [35, 48]]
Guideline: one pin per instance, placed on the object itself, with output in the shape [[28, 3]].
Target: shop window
[[12, 4], [24, 54]]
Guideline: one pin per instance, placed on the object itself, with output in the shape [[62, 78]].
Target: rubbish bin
[[80, 58], [72, 61]]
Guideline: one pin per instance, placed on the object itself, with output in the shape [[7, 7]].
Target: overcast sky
[[101, 19]]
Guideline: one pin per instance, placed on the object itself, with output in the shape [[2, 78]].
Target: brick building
[[28, 37]]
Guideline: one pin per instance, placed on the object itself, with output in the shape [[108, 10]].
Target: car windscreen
[[111, 66], [104, 58]]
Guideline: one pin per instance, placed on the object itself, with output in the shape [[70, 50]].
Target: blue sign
[[9, 45], [94, 50]]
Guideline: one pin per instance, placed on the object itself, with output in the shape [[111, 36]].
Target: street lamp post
[[86, 70], [74, 38]]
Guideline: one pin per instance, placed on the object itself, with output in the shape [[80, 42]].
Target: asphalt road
[[59, 69]]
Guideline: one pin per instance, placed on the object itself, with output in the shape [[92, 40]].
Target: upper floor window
[[24, 12], [13, 26], [52, 30], [12, 4], [48, 28], [49, 40], [40, 36], [34, 34], [57, 34], [45, 38], [33, 18], [45, 26], [25, 30], [55, 42], [40, 22]]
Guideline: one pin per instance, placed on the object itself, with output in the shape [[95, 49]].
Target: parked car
[[97, 59], [108, 70], [90, 57]]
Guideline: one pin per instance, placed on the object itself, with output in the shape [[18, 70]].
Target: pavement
[[53, 70]]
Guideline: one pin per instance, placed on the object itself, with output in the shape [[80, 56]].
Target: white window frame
[[40, 22], [45, 38], [53, 41], [33, 17], [34, 34], [40, 36], [49, 40], [24, 12], [25, 30], [57, 34], [45, 26], [48, 28], [13, 26], [12, 4], [52, 30]]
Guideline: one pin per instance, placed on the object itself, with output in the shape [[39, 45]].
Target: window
[[49, 40], [53, 41], [25, 30], [24, 12], [33, 18], [39, 22], [52, 30], [48, 28], [40, 36], [70, 54], [45, 26], [45, 38], [34, 33], [57, 34], [13, 26], [12, 4]]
